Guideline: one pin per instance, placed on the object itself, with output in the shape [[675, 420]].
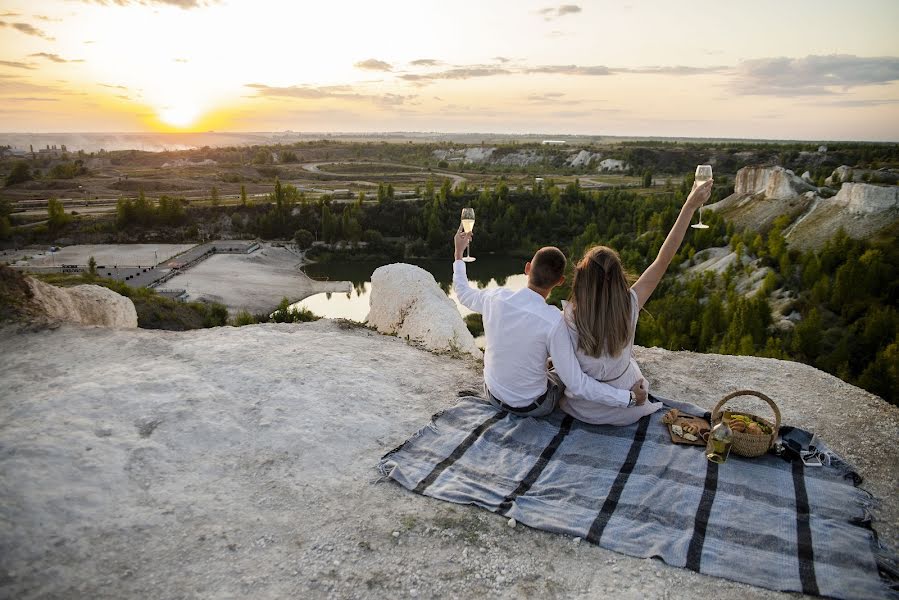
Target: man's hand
[[640, 392], [699, 195], [461, 241]]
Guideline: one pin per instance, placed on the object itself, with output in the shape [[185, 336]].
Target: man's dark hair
[[547, 267]]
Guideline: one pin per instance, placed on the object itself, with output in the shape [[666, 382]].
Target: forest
[[844, 296]]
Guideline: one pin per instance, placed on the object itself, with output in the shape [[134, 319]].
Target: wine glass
[[703, 174], [467, 226]]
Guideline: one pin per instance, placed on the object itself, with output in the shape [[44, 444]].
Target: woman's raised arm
[[651, 277]]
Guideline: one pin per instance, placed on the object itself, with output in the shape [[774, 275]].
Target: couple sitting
[[594, 376]]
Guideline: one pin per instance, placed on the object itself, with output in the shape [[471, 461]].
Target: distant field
[[366, 168]]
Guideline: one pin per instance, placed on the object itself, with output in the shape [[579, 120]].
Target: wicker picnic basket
[[750, 444]]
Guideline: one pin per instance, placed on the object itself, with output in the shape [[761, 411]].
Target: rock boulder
[[82, 304], [406, 301]]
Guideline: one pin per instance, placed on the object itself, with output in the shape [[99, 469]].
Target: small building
[[554, 142]]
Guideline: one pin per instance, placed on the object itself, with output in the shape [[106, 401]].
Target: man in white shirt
[[522, 332]]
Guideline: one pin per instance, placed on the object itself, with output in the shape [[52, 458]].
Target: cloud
[[455, 74], [373, 64], [30, 99], [554, 12], [55, 57], [426, 62], [675, 70], [181, 60], [15, 85], [502, 59], [10, 14], [330, 92], [862, 103], [571, 70], [185, 4], [16, 65], [27, 29], [51, 19], [114, 87], [813, 75]]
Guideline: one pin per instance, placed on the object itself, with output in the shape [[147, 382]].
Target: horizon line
[[457, 133]]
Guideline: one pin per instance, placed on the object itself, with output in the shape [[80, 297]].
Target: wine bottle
[[721, 438]]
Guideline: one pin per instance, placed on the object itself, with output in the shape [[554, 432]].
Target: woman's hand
[[699, 195]]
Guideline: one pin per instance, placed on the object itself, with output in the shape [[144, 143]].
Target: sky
[[801, 69]]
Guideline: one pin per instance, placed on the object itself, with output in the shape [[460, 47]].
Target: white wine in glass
[[703, 174], [468, 226]]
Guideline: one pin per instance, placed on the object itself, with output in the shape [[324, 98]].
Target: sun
[[179, 115]]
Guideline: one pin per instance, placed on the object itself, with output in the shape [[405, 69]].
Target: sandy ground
[[105, 254], [240, 463], [255, 282]]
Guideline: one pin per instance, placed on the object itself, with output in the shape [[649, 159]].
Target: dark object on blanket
[[746, 442]]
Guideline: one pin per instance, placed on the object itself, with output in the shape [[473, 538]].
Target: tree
[[92, 266], [303, 238], [20, 173], [56, 215], [328, 232], [647, 178], [243, 195], [214, 195]]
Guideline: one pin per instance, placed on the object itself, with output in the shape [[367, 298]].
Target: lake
[[486, 272]]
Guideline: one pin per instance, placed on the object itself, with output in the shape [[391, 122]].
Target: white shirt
[[522, 331]]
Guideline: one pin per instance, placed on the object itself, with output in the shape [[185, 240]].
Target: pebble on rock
[[511, 522], [396, 534]]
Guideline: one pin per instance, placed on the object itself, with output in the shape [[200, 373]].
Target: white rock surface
[[407, 302], [582, 158], [863, 198], [612, 164], [239, 463], [83, 304], [776, 183]]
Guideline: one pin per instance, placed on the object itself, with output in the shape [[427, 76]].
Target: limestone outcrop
[[762, 194], [863, 198], [776, 183], [82, 304], [407, 302]]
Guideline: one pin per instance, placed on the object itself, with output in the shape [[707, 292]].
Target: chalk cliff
[[762, 194]]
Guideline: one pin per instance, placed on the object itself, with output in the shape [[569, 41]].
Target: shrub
[[20, 173]]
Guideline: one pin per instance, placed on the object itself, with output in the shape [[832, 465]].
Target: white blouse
[[620, 371]]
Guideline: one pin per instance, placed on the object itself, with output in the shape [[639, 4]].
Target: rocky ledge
[[239, 462]]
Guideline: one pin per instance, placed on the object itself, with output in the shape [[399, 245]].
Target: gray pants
[[540, 407]]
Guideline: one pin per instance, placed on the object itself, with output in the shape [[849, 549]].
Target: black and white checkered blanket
[[764, 521]]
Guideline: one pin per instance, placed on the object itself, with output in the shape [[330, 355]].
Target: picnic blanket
[[764, 521]]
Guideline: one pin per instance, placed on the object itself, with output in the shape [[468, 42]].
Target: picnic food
[[746, 424], [685, 427]]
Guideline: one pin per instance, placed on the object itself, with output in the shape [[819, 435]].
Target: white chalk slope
[[240, 463]]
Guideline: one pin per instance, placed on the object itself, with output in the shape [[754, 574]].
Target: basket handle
[[715, 411]]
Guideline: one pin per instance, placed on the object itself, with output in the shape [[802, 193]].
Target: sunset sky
[[799, 69]]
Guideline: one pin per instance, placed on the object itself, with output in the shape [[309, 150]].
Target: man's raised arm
[[470, 298]]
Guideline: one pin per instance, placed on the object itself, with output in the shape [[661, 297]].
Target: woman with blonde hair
[[601, 315]]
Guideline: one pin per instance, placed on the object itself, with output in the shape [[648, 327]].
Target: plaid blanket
[[764, 521]]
